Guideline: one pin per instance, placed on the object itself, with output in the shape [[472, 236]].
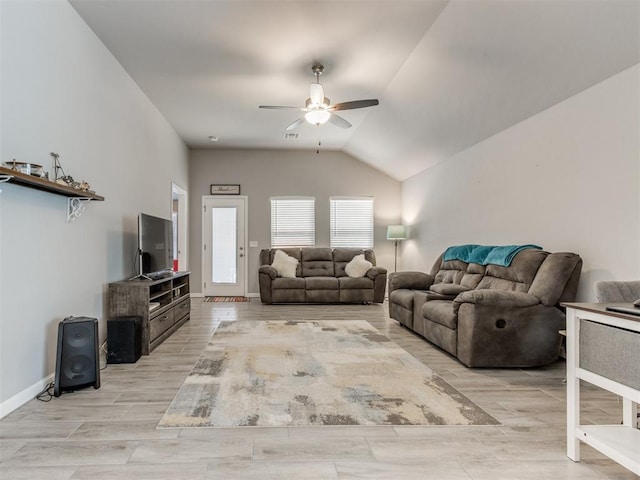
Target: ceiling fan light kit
[[317, 116], [318, 109]]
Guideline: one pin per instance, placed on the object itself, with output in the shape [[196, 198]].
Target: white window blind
[[293, 222], [352, 222]]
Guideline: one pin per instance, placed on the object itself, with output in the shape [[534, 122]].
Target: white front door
[[224, 245]]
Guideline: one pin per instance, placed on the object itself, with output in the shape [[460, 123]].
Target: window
[[352, 222], [293, 222]]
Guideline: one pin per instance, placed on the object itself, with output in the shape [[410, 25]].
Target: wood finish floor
[[110, 432]]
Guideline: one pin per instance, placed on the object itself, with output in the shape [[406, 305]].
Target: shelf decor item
[[65, 179], [225, 189], [27, 168]]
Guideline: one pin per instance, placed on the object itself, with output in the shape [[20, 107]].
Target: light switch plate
[[253, 243]]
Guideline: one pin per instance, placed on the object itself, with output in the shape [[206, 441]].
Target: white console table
[[614, 365]]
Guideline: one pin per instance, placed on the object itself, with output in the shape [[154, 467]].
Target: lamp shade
[[396, 232]]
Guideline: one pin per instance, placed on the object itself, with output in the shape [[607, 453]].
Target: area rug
[[301, 373], [226, 299]]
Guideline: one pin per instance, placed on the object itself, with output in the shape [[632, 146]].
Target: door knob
[[242, 254]]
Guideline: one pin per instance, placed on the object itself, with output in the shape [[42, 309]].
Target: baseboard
[[252, 295], [24, 396]]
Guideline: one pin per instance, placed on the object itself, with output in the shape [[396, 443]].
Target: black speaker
[[124, 339], [77, 361]]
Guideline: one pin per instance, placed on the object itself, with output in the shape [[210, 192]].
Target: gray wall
[[62, 91], [263, 174], [567, 179]]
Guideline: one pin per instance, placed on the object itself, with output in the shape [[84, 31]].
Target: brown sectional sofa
[[321, 278], [490, 315]]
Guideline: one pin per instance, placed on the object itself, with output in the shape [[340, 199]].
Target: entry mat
[[226, 299]]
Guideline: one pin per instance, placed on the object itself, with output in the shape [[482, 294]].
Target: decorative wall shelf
[[75, 198]]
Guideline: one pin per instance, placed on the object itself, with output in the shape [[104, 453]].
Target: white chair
[[617, 291]]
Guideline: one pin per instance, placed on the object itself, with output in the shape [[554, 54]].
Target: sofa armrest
[[410, 280], [379, 277], [373, 272], [266, 275], [269, 270], [502, 299]]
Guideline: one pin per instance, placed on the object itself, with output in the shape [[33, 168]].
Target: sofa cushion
[[451, 271], [322, 296], [288, 283], [518, 276], [401, 314], [284, 264], [441, 312], [448, 288], [358, 266], [402, 297], [473, 275], [348, 283], [290, 295], [356, 295], [322, 290], [444, 337], [317, 262], [321, 283], [420, 297]]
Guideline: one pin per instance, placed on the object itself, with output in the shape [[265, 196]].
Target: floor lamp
[[396, 233]]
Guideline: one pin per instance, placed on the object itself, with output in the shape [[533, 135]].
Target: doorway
[[224, 246], [179, 219]]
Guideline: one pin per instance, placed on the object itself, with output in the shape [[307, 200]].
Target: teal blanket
[[484, 254]]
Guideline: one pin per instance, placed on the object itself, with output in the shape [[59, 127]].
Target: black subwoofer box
[[77, 361], [124, 339]]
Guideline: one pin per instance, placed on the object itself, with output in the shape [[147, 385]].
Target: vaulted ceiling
[[448, 74]]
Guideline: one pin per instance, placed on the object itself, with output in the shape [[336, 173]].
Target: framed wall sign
[[225, 189]]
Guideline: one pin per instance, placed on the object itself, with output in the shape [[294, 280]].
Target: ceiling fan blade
[[278, 107], [295, 124], [316, 93], [355, 104], [339, 121]]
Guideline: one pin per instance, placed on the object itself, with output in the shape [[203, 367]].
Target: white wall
[[62, 91], [263, 174], [567, 179]]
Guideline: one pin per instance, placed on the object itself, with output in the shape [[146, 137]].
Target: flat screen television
[[155, 245]]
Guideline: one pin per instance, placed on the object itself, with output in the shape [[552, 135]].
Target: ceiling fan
[[318, 108]]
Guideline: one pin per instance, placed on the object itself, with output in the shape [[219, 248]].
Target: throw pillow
[[284, 264], [358, 266]]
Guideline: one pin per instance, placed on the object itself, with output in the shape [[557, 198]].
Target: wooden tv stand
[[163, 305]]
